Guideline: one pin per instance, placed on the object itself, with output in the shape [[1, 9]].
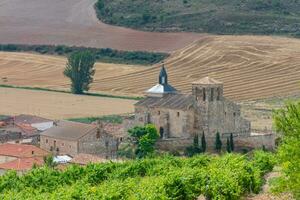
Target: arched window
[[161, 132]]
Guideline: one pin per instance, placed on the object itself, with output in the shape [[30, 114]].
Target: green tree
[[231, 142], [203, 142], [144, 139], [228, 146], [287, 123], [49, 161], [218, 142], [80, 70]]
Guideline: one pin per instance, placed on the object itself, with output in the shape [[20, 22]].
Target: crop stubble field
[[55, 105], [251, 67]]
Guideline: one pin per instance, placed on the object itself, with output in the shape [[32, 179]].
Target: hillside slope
[[74, 22], [251, 67], [210, 16]]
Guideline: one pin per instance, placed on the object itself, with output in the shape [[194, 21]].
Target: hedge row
[[103, 55]]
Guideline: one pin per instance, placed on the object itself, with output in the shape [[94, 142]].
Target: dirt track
[[73, 22], [55, 105]]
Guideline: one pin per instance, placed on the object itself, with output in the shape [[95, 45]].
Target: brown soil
[[74, 22], [59, 105]]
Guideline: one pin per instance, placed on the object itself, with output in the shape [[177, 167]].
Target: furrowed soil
[[74, 22], [55, 105]]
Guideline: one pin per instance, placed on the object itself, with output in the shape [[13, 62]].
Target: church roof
[[207, 81], [162, 88], [171, 101]]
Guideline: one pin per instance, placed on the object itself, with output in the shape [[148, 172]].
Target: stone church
[[179, 117]]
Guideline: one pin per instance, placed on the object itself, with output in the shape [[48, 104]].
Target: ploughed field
[[74, 22], [251, 67], [55, 105]]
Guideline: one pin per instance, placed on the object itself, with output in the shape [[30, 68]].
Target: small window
[[218, 94], [54, 142], [98, 134], [32, 152], [158, 112], [62, 144], [225, 113], [212, 94], [121, 139], [106, 143], [70, 146], [204, 94], [178, 114], [234, 114], [161, 132], [46, 140]]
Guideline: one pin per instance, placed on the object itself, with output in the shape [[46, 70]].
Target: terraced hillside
[[251, 67]]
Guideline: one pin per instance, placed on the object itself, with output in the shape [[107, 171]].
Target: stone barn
[[180, 117]]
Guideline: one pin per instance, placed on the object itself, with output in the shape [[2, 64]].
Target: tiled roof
[[21, 150], [21, 164], [69, 130], [172, 101], [207, 81], [29, 119], [84, 159]]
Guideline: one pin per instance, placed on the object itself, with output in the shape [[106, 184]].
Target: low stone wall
[[174, 144], [253, 141]]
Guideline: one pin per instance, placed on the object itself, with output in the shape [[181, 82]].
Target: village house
[[20, 157], [180, 117], [23, 128], [72, 138]]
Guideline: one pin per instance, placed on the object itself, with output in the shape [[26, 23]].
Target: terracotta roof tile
[[21, 150], [21, 164]]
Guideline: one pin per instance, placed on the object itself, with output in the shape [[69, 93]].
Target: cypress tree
[[231, 142], [218, 143], [203, 142], [196, 141], [228, 146]]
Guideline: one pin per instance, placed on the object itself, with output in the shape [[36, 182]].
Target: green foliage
[[49, 161], [144, 138], [231, 142], [115, 119], [203, 143], [281, 17], [218, 142], [193, 150], [228, 147], [217, 177], [287, 122], [80, 70], [103, 55]]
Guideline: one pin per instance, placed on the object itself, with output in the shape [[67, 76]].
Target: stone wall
[[68, 147], [100, 144]]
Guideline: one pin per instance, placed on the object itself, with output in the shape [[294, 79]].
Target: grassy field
[[55, 105], [209, 16]]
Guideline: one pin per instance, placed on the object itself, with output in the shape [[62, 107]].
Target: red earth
[[74, 22]]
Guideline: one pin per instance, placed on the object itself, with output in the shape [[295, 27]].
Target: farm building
[[72, 138], [180, 118]]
